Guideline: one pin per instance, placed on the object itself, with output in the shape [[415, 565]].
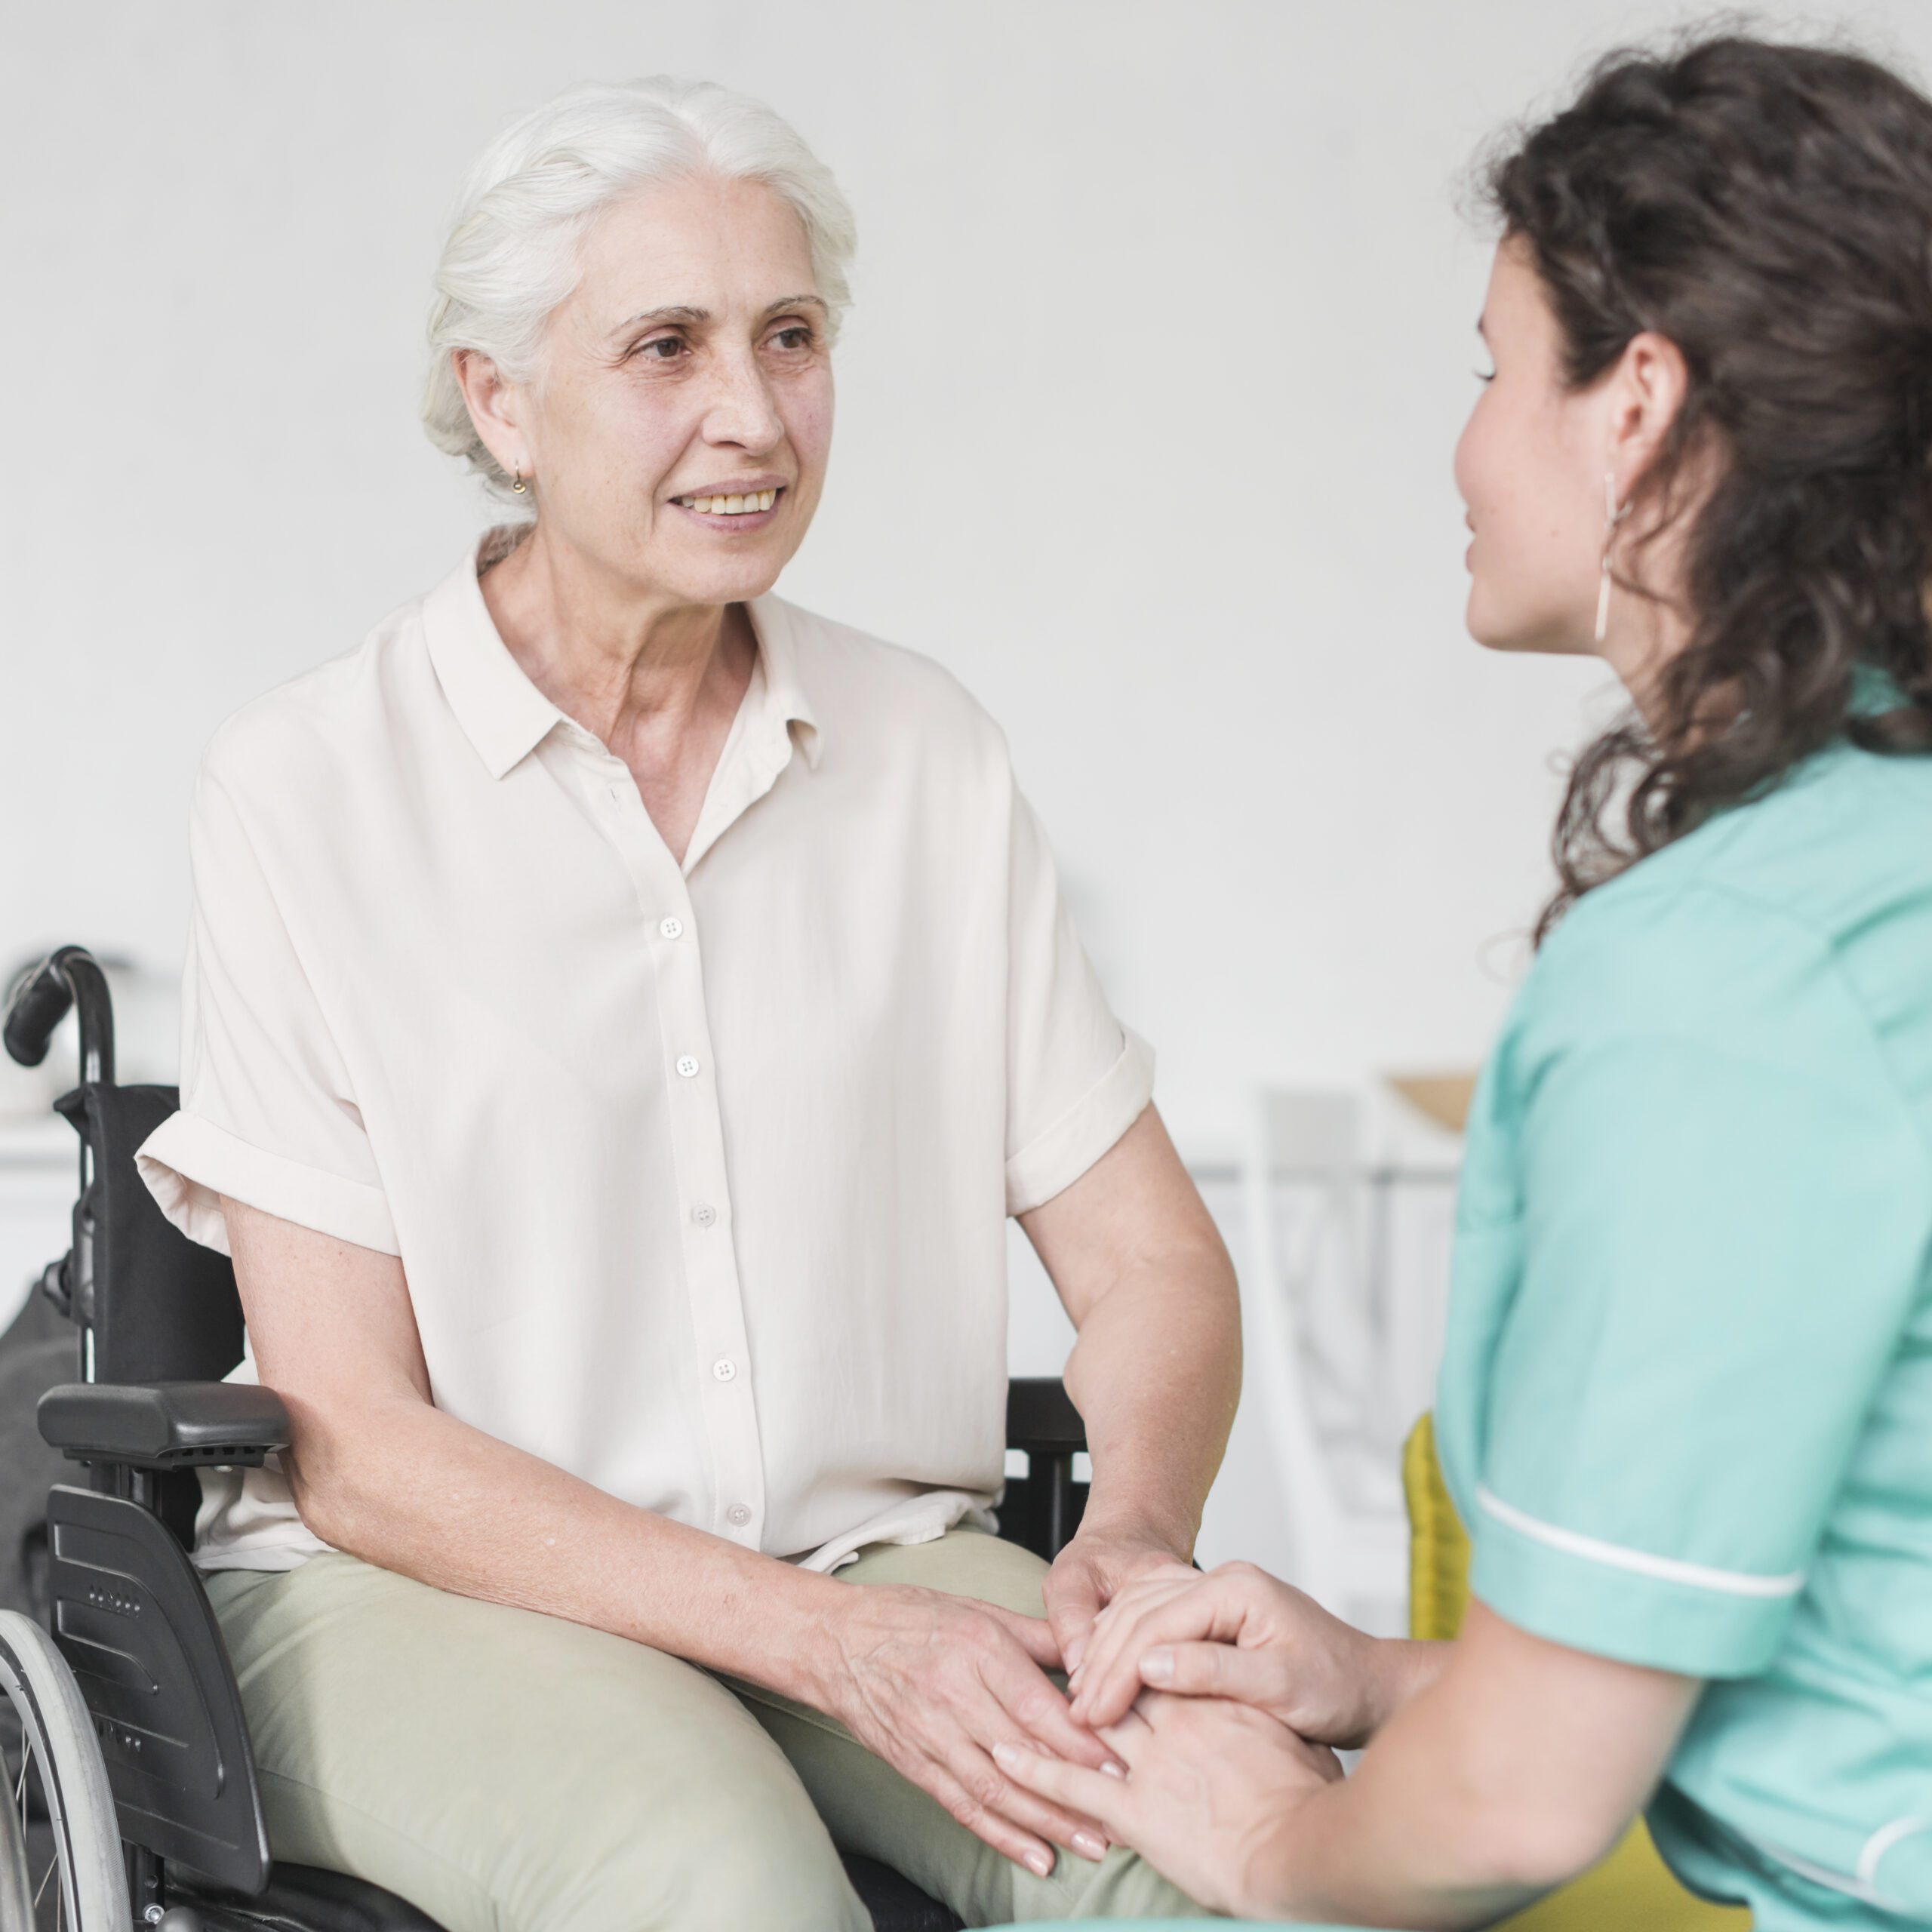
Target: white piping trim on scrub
[[1881, 1841], [1666, 1569], [1865, 1887], [1819, 1874]]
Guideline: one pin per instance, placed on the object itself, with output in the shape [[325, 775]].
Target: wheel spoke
[[53, 1866]]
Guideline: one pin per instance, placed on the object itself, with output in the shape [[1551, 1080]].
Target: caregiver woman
[[623, 1009], [1686, 1404]]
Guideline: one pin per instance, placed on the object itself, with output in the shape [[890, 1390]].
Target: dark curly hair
[[1768, 208]]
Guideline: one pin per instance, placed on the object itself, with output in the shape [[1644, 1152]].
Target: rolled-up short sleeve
[[1724, 1224], [1076, 1079], [267, 1115]]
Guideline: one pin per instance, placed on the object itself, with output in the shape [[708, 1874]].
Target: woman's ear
[[494, 405], [1647, 390]]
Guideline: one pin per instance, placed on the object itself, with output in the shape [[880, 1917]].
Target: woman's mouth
[[750, 505]]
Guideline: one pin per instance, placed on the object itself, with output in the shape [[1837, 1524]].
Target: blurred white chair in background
[[1318, 1355]]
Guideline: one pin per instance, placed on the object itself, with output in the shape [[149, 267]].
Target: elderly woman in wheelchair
[[623, 1009]]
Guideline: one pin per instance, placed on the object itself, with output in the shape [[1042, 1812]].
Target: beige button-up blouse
[[699, 1174]]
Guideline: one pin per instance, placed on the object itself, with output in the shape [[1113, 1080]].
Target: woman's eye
[[662, 348], [1484, 375], [797, 337]]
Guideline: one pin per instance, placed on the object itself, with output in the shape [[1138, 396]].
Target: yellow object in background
[[1632, 1887]]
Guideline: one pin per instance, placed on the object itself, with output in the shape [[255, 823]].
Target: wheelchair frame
[[158, 1323]]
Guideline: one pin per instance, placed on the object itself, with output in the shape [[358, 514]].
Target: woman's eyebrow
[[676, 312], [683, 311]]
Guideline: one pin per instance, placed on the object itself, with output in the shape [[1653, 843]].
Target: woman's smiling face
[[677, 429], [1530, 467]]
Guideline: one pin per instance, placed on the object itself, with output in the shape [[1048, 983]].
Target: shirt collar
[[503, 714], [506, 717], [775, 625]]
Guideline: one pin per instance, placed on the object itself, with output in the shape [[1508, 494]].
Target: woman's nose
[[741, 410]]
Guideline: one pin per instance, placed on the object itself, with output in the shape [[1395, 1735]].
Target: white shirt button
[[687, 1067], [704, 1214], [672, 928], [724, 1368], [737, 1515]]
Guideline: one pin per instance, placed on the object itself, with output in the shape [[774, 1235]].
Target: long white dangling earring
[[1613, 516]]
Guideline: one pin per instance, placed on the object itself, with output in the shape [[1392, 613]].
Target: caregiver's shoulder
[[1827, 878]]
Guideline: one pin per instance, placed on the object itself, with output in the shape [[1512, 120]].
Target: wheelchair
[[134, 1799]]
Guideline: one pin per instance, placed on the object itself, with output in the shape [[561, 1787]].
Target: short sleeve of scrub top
[[1696, 1213]]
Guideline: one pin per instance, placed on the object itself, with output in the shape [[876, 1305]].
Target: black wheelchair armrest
[[1041, 1418], [164, 1425]]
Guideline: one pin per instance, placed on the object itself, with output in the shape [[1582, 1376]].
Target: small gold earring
[[517, 484]]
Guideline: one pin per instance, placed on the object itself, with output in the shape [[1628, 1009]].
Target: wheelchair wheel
[[81, 1885], [16, 1898]]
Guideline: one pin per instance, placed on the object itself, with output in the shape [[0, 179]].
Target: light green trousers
[[509, 1772]]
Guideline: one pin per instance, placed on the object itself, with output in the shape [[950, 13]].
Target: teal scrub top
[[1685, 1407]]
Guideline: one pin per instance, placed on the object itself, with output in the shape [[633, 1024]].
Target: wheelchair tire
[[58, 1739]]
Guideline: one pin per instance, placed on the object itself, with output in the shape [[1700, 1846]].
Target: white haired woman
[[623, 1010]]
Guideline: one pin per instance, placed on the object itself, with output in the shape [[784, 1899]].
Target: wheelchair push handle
[[67, 977]]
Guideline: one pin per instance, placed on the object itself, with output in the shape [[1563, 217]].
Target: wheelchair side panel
[[131, 1618]]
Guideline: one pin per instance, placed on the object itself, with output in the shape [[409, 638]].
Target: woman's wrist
[[810, 1650], [1272, 1882], [767, 1621], [1399, 1667]]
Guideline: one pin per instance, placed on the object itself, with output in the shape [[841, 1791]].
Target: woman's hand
[[934, 1684], [1208, 1783], [1094, 1569], [1239, 1633]]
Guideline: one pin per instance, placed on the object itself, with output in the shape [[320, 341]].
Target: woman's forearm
[[1155, 1373], [1155, 1368], [1406, 1848], [1517, 1768], [401, 1484]]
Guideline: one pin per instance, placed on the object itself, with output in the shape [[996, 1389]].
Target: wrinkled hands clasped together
[[1218, 1698], [1200, 1708]]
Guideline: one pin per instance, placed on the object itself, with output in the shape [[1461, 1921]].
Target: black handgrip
[[68, 976], [40, 1003]]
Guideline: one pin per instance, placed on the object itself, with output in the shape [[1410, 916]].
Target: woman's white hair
[[512, 256]]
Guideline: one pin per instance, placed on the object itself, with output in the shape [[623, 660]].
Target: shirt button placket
[[698, 1152]]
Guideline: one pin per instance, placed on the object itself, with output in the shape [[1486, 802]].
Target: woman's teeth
[[758, 500]]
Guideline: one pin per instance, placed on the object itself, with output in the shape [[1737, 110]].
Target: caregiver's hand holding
[[1239, 1633], [1098, 1569], [1209, 1783]]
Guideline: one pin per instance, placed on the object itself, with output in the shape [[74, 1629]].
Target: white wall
[[1164, 336], [1163, 341]]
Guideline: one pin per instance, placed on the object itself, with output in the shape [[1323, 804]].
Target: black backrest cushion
[[165, 1308]]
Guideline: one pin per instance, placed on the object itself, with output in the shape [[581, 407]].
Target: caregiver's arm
[[931, 1683], [1518, 1767], [1155, 1370]]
